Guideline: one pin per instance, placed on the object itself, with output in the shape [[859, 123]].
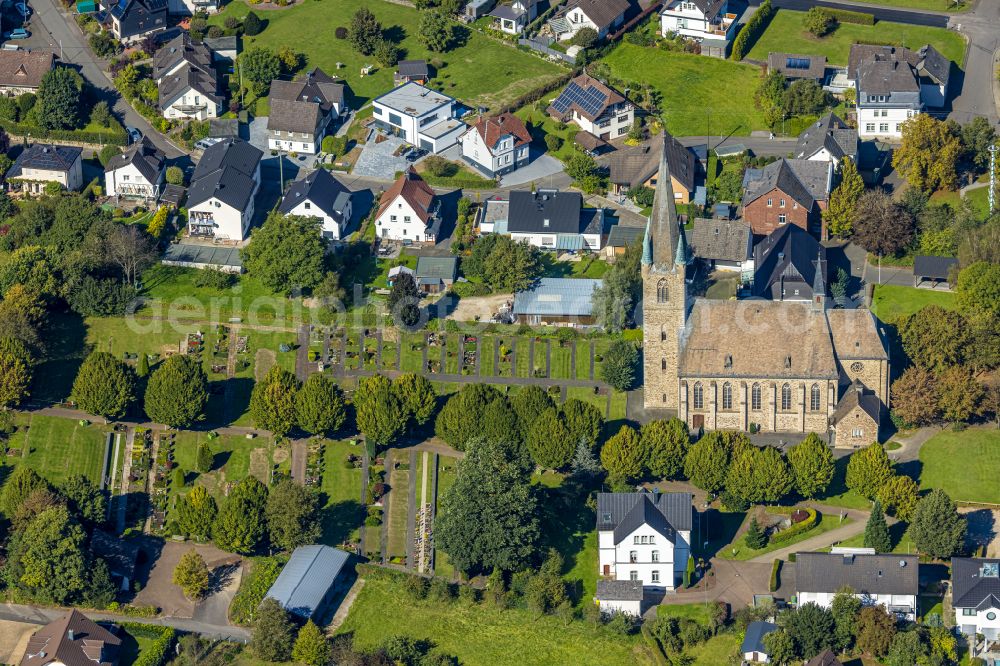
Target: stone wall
[[770, 417], [856, 429], [662, 321]]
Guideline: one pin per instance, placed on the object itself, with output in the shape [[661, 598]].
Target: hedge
[[253, 588], [654, 646], [112, 136], [845, 16], [775, 568], [752, 30], [460, 183], [798, 528], [158, 652]]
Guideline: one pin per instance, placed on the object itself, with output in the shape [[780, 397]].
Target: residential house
[[554, 220], [620, 238], [221, 197], [619, 596], [43, 163], [855, 422], [824, 658], [191, 7], [71, 640], [419, 115], [724, 243], [131, 20], [185, 76], [476, 9], [828, 140], [322, 196], [753, 648], [411, 70], [22, 71], [631, 167], [889, 580], [310, 581], [594, 107], [603, 16], [496, 145], [224, 49], [302, 110], [709, 22], [513, 17], [975, 596], [644, 536], [795, 66], [557, 302], [436, 274], [409, 211], [789, 265], [787, 191], [137, 173]]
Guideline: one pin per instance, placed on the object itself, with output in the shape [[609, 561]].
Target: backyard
[[892, 302], [946, 459]]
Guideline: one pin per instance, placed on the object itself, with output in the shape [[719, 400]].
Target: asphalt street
[[881, 12]]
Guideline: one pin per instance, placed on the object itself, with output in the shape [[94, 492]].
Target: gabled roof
[[493, 128], [619, 590], [721, 240], [857, 396], [753, 641], [548, 211], [182, 49], [226, 171], [144, 156], [601, 12], [73, 640], [855, 334], [232, 153], [865, 574], [321, 189], [46, 157], [587, 96], [188, 78], [622, 235], [831, 133], [634, 165], [412, 68], [861, 53], [824, 658], [24, 69], [934, 65], [970, 588], [805, 181], [797, 65], [136, 17], [623, 513], [304, 582], [788, 253], [414, 191], [710, 8], [294, 116], [438, 268], [316, 88]]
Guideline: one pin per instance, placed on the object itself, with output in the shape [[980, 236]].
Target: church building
[[772, 366]]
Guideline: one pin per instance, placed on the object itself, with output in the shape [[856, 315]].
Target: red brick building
[[787, 192]]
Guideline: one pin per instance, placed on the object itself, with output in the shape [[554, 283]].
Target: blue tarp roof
[[308, 576], [557, 296]]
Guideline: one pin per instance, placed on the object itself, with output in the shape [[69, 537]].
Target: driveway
[[542, 168], [160, 590], [377, 160]]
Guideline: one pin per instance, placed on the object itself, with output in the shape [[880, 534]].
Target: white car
[[206, 143]]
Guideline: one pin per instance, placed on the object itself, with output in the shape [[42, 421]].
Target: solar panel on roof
[[590, 100], [797, 63]]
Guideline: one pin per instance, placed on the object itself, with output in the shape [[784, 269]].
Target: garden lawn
[[786, 34], [893, 302], [487, 365], [447, 473], [744, 552], [838, 494], [964, 464], [58, 448], [341, 492], [583, 348], [700, 613], [699, 93], [232, 459], [399, 501], [480, 73], [561, 360], [479, 635]]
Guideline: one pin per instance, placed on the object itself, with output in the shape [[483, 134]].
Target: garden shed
[[309, 582]]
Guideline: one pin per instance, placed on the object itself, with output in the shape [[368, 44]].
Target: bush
[[469, 289], [752, 30], [340, 32], [775, 569], [553, 142], [157, 652], [215, 31], [255, 585], [439, 166], [818, 22], [798, 528], [416, 586], [845, 16], [252, 25]]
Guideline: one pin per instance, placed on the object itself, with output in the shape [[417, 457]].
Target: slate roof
[[226, 171], [805, 181], [438, 268], [970, 588], [46, 157], [137, 17], [304, 582], [884, 77], [607, 95], [926, 60], [634, 165], [508, 12], [710, 8], [321, 189], [298, 106], [90, 645], [529, 211], [720, 240], [144, 156], [857, 396], [232, 153], [935, 268], [865, 574], [619, 590], [623, 513], [415, 192], [568, 297], [797, 65], [188, 77], [24, 69], [602, 12], [788, 253], [589, 142], [855, 334], [753, 641], [828, 132], [493, 128], [622, 235], [824, 658], [412, 68], [182, 49], [224, 43], [294, 116], [934, 65]]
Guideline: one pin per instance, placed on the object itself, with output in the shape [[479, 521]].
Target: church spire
[[664, 233], [647, 247], [683, 256]]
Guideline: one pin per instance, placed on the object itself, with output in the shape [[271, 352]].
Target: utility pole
[[993, 178]]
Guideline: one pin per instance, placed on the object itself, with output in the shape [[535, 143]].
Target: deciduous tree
[[937, 528], [549, 440], [436, 31], [959, 394], [191, 575], [196, 513], [868, 469], [619, 367], [812, 466], [528, 404], [875, 630], [241, 525], [845, 608], [292, 515], [818, 21], [104, 385], [258, 67], [272, 401], [907, 648], [85, 500], [273, 632], [929, 153], [978, 292], [365, 31], [19, 485], [707, 462], [977, 137], [417, 395], [915, 396], [880, 225], [286, 253], [381, 417], [404, 300], [583, 421], [666, 443], [319, 405], [935, 338], [758, 474], [177, 392], [811, 627], [15, 378], [623, 455], [899, 496], [460, 419]]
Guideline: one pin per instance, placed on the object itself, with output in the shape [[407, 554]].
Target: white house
[[221, 197], [975, 596], [829, 139], [409, 211], [513, 17], [644, 537], [886, 580], [322, 196], [496, 145], [550, 220], [186, 80], [603, 16], [42, 163], [707, 21], [753, 648], [419, 115], [619, 596], [594, 107], [22, 71], [136, 173], [302, 110]]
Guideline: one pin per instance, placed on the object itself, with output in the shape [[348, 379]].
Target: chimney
[[69, 634]]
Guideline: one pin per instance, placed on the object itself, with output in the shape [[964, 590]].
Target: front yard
[[893, 302], [964, 464]]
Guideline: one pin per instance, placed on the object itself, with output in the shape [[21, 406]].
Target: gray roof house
[[131, 19], [624, 596], [724, 242], [555, 220], [753, 641], [41, 163], [302, 110], [563, 301], [320, 195], [221, 197], [435, 274], [889, 580], [797, 66], [804, 185], [789, 265], [828, 139], [975, 596], [137, 173], [307, 583], [187, 81]]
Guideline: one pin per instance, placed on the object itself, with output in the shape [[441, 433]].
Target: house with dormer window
[[975, 596], [709, 22]]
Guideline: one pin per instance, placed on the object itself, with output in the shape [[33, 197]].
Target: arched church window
[[699, 396], [814, 398], [661, 291], [786, 396], [727, 396], [755, 397]]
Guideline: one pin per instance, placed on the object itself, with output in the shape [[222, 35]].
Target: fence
[[543, 47]]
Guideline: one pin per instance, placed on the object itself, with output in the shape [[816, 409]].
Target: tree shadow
[[910, 468], [566, 520], [64, 348], [221, 576], [220, 459], [395, 34], [715, 530], [339, 520]]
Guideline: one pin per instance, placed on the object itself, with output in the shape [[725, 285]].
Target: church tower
[[664, 294]]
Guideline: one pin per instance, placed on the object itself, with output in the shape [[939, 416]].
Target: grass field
[[786, 34], [447, 472], [234, 459], [470, 72], [341, 491], [399, 501], [892, 302], [59, 448], [946, 459], [561, 358], [583, 348], [482, 636], [690, 85]]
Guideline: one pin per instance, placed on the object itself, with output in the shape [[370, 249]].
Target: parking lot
[[378, 161]]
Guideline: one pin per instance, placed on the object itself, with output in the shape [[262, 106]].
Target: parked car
[[23, 9], [19, 33], [11, 47], [134, 135], [415, 154], [206, 143]]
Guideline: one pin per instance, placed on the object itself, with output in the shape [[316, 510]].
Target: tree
[[104, 385], [130, 248], [758, 474], [272, 401], [435, 31], [240, 525], [85, 500], [417, 395], [34, 504], [319, 405], [707, 462], [292, 515], [899, 496], [666, 445], [459, 421], [875, 629], [845, 608], [204, 459], [258, 67], [937, 528], [876, 531], [549, 440], [978, 292], [959, 394], [175, 175], [15, 378], [585, 38], [818, 21], [915, 396], [511, 265], [585, 464], [286, 253], [191, 575], [59, 96], [580, 167], [769, 97], [177, 392], [252, 25], [811, 627], [881, 226], [365, 31], [404, 300], [19, 485], [839, 215], [142, 366], [272, 632], [977, 137], [488, 518], [381, 417], [196, 513], [311, 646], [623, 456], [929, 153], [780, 647], [613, 303], [583, 420], [528, 404], [755, 537], [935, 338], [805, 97], [619, 365], [868, 469], [907, 648], [812, 466]]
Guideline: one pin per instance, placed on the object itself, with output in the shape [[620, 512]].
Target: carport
[[933, 269]]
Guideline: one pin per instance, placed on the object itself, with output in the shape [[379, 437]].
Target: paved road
[[881, 12], [977, 95]]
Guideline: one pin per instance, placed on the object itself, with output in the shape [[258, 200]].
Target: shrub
[[798, 528], [157, 652], [845, 16], [469, 289], [416, 586], [340, 32], [439, 166], [175, 175], [553, 142], [775, 569], [231, 23], [215, 31], [818, 22], [752, 30], [255, 585]]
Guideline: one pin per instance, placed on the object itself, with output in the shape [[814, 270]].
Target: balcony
[[721, 26]]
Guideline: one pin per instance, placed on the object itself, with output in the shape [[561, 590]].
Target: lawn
[[447, 473], [786, 34], [543, 125], [59, 448], [838, 494], [946, 459], [590, 266], [399, 502], [738, 550], [469, 73], [561, 358], [234, 458], [892, 302], [487, 348], [690, 85], [700, 613], [583, 348], [932, 5], [479, 635], [341, 491]]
